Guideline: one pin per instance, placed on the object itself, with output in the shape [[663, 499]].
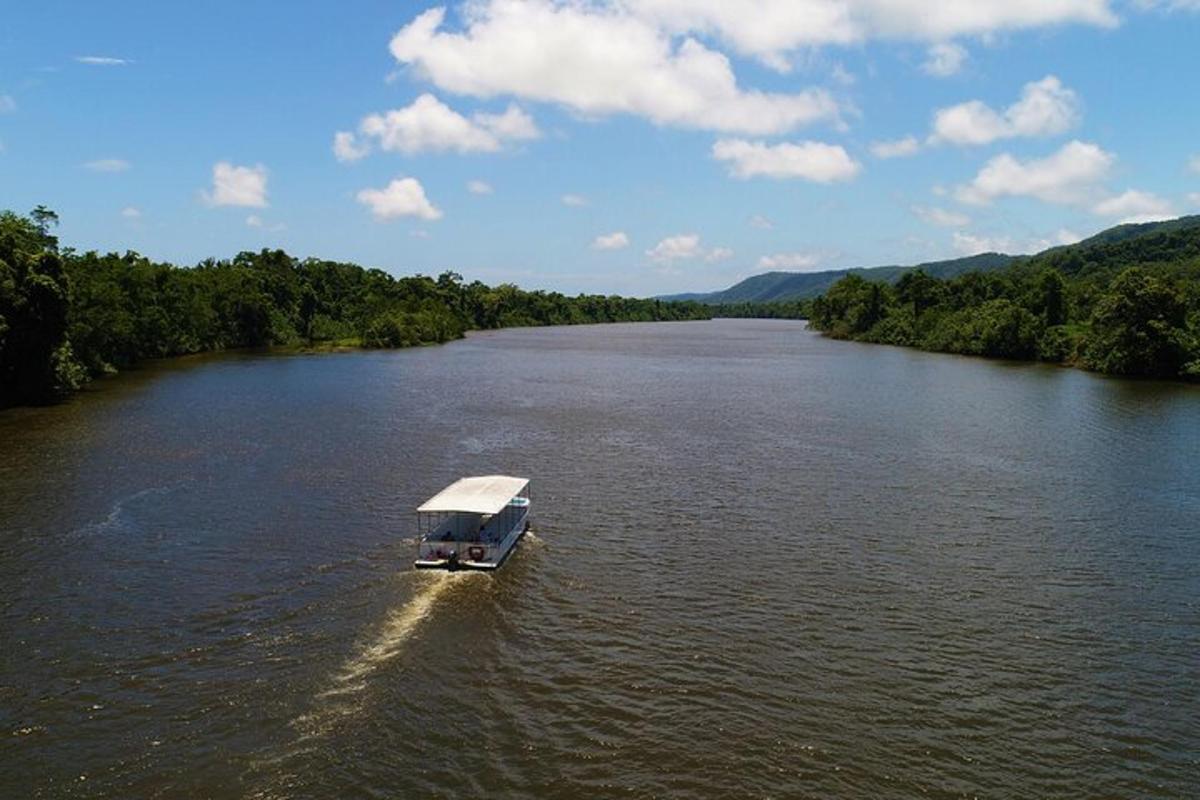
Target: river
[[763, 564]]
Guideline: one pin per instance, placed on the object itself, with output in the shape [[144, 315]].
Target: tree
[[1138, 327]]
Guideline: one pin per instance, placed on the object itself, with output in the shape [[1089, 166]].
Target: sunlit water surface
[[764, 564]]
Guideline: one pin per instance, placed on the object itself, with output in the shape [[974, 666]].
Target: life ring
[[476, 553]]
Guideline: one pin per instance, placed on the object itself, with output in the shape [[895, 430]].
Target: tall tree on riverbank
[[36, 360]]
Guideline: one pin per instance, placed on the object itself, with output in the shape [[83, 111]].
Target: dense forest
[[67, 317], [1117, 303]]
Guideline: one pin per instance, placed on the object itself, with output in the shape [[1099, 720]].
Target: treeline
[[779, 309], [66, 317], [1129, 307]]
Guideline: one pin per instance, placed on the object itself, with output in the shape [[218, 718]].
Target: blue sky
[[639, 147]]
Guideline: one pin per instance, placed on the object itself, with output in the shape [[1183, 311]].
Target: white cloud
[[1194, 198], [970, 244], [403, 197], [769, 29], [428, 126], [1168, 5], [761, 222], [255, 221], [574, 200], [1065, 236], [617, 240], [514, 124], [1135, 206], [129, 212], [1194, 164], [944, 59], [238, 186], [1046, 108], [596, 60], [7, 104], [347, 147], [107, 165], [790, 261], [813, 161], [479, 187], [102, 61], [685, 247], [1070, 176], [841, 75], [942, 217], [896, 148]]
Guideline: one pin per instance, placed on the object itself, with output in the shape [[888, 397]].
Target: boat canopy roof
[[486, 494]]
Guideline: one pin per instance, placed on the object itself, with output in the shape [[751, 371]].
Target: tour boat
[[474, 523]]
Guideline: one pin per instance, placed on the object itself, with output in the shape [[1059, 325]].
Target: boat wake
[[341, 699]]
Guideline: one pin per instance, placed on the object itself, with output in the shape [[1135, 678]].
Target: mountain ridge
[[771, 287]]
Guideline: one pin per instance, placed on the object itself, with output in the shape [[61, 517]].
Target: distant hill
[[776, 286], [1122, 233]]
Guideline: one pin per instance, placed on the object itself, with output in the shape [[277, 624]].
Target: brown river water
[[763, 564]]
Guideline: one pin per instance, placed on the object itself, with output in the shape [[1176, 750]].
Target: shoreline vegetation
[[68, 317], [1125, 302]]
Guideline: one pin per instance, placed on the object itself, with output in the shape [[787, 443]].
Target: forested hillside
[[790, 287], [66, 317], [1125, 302]]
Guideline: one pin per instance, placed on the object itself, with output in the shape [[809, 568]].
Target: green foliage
[[1126, 303], [66, 318], [36, 361], [1139, 328]]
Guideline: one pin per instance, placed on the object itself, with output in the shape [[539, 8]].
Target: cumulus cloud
[[102, 61], [574, 200], [479, 187], [403, 197], [617, 240], [685, 247], [107, 165], [596, 60], [130, 212], [1194, 164], [813, 161], [347, 147], [944, 59], [238, 186], [769, 29], [1194, 198], [972, 244], [896, 148], [942, 217], [1135, 206], [790, 261], [429, 126], [1072, 175], [7, 104], [761, 222], [1046, 108]]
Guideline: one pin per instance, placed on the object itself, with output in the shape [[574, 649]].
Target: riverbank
[[68, 317]]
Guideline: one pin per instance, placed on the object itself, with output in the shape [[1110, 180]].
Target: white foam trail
[[339, 700], [397, 628]]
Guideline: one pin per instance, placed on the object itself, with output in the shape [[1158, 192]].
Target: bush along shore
[[67, 317]]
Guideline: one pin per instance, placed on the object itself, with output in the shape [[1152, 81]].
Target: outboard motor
[[452, 560]]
